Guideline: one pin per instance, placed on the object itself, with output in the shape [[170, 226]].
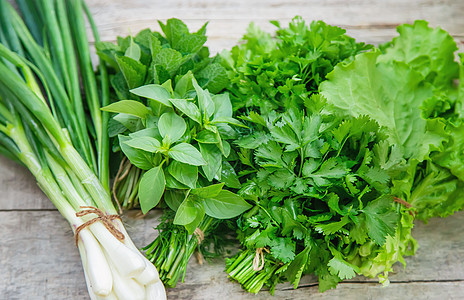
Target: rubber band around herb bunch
[[101, 216], [258, 260]]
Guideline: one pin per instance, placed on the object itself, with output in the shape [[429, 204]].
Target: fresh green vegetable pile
[[341, 146], [314, 152]]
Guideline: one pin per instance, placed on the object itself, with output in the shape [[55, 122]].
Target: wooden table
[[38, 259]]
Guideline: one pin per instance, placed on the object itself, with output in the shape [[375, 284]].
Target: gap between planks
[[392, 282]]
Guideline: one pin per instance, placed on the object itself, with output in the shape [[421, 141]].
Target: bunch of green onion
[[61, 137]]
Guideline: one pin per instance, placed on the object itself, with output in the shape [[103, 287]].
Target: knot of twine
[[258, 260], [404, 203], [199, 234], [101, 216]]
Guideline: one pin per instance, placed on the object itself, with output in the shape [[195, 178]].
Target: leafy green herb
[[277, 74], [324, 149], [175, 127], [321, 171]]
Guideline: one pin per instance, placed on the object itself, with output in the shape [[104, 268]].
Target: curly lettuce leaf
[[430, 51], [437, 193], [396, 247], [390, 93]]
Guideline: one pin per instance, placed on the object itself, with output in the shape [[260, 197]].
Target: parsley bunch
[[279, 73]]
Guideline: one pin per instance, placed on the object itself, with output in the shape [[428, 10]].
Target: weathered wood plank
[[18, 189], [38, 260], [111, 15], [369, 21], [345, 291]]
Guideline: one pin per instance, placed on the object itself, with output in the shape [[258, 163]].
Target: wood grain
[[18, 188], [38, 260], [368, 21]]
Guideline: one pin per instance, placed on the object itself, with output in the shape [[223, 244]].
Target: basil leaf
[[205, 102], [147, 132], [168, 86], [226, 131], [139, 158], [154, 92], [225, 205], [115, 128], [213, 156], [229, 177], [184, 84], [222, 105], [194, 224], [173, 198], [211, 128], [224, 146], [148, 144], [228, 120], [186, 153], [208, 191], [132, 123], [129, 107], [173, 183], [206, 137], [184, 173], [151, 188], [187, 211], [171, 126], [188, 108]]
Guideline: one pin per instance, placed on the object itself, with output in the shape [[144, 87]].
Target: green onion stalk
[[60, 135]]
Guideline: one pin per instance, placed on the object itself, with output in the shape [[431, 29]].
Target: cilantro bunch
[[323, 201]]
